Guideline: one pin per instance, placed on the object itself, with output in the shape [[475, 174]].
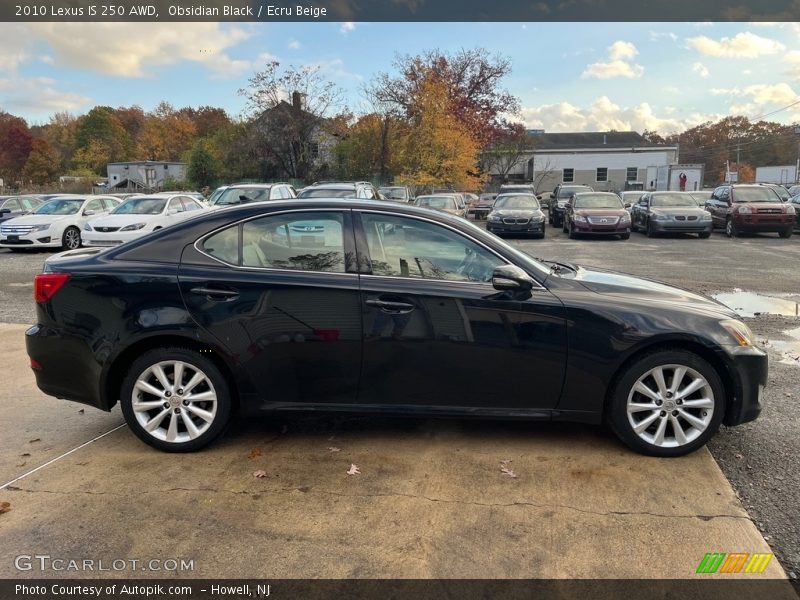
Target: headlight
[[537, 218], [134, 227], [659, 217], [745, 210], [87, 227], [625, 218], [706, 216], [493, 217], [579, 218], [40, 227], [739, 331], [790, 209]]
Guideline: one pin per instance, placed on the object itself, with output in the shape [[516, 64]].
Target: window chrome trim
[[198, 242], [537, 286]]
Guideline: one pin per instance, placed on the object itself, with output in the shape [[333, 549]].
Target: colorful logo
[[736, 562]]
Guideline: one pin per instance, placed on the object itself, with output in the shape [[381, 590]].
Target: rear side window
[[224, 245]]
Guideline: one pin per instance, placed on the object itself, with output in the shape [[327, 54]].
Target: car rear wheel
[[71, 239], [175, 400], [786, 233], [572, 234], [668, 403], [730, 229]]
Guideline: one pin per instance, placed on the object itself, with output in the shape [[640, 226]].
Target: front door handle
[[391, 306], [215, 293]]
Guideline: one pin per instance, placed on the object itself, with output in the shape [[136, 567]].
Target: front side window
[[405, 247], [602, 173], [175, 206], [190, 204], [95, 206], [298, 241], [11, 204]]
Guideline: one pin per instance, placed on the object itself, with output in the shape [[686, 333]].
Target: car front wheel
[[730, 229], [71, 240], [175, 400], [667, 403]]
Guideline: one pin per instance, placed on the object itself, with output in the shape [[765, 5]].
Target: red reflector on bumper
[[36, 365]]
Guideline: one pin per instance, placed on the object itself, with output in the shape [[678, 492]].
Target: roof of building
[[590, 139]]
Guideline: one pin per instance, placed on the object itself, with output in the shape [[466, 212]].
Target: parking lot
[[431, 499]]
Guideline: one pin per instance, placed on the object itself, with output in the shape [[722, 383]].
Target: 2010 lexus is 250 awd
[[347, 305]]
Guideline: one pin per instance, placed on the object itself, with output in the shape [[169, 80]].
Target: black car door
[[643, 210], [437, 334], [280, 292], [718, 205]]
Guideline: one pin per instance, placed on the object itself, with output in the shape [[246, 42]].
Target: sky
[[569, 76]]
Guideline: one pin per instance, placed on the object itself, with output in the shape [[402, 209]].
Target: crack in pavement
[[701, 517]]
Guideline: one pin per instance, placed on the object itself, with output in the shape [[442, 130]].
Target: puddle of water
[[750, 304], [790, 349]]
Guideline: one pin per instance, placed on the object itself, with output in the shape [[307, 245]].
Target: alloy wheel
[[72, 238], [670, 406], [174, 401]]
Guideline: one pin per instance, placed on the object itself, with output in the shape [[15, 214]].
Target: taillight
[[45, 285]]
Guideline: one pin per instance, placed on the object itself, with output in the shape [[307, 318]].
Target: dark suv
[[558, 203], [356, 189], [750, 208]]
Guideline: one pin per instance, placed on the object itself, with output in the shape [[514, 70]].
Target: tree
[[747, 173], [288, 109], [202, 165], [93, 157], [509, 149], [43, 164], [368, 148], [60, 134], [16, 142], [167, 134], [100, 138]]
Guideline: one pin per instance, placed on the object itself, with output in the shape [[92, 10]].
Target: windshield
[[598, 201], [242, 196], [781, 191], [672, 200], [566, 192], [328, 193], [60, 207], [516, 188], [436, 201], [519, 202], [754, 194], [141, 206], [394, 192]]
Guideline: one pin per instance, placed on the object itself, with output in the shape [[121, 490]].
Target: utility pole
[[797, 168], [738, 147]]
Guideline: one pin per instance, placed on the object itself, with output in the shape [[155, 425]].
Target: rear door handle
[[215, 293], [391, 306]]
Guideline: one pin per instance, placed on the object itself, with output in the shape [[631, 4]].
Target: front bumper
[[527, 228], [764, 223], [590, 229], [682, 226], [748, 367], [111, 238], [35, 239]]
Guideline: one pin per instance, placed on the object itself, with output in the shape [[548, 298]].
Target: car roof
[[334, 185]]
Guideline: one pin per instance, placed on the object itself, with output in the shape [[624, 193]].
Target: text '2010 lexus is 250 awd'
[[347, 305]]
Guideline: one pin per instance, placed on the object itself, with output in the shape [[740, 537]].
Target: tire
[[649, 230], [669, 411], [71, 238], [730, 229], [786, 233], [572, 234], [625, 236], [565, 227], [634, 226], [704, 235], [171, 408]]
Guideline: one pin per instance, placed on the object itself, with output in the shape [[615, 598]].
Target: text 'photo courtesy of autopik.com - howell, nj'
[[399, 299]]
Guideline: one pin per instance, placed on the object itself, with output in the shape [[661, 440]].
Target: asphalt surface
[[761, 459]]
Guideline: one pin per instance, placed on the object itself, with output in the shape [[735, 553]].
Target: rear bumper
[[750, 368]]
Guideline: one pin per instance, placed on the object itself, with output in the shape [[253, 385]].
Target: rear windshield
[[598, 201], [437, 201], [754, 194], [566, 192], [394, 192], [141, 206], [327, 193], [242, 196], [672, 200]]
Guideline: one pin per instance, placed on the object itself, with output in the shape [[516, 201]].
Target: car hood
[[632, 287], [756, 205], [37, 219], [517, 213], [601, 212], [121, 220]]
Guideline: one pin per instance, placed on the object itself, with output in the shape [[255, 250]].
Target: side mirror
[[4, 211], [627, 205], [88, 213], [511, 277]]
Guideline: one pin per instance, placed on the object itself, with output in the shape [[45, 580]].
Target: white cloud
[[620, 50], [742, 45], [295, 45], [603, 115], [335, 69], [38, 95], [793, 56], [347, 27], [131, 49], [700, 69], [618, 65], [655, 36], [16, 46]]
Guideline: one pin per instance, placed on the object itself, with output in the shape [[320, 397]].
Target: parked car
[[596, 213], [523, 188], [670, 212], [216, 194], [243, 193], [139, 216], [449, 203], [471, 200], [750, 208], [186, 324], [561, 196], [484, 205], [795, 201], [397, 193], [12, 207], [630, 198], [56, 223], [516, 213], [779, 190], [794, 190], [357, 189], [700, 196]]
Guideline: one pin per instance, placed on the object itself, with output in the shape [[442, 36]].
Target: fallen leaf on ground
[[506, 461], [354, 470], [508, 472], [5, 507], [34, 440], [259, 474], [25, 454], [333, 449], [255, 453]]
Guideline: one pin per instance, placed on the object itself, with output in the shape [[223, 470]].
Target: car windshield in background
[[437, 201], [662, 200], [397, 193], [754, 194], [59, 207], [327, 193], [567, 192], [519, 202], [141, 206], [242, 196], [598, 201]]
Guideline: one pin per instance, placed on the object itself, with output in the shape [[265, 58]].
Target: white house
[[144, 175]]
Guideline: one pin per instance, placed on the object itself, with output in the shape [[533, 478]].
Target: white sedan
[[55, 224], [138, 216]]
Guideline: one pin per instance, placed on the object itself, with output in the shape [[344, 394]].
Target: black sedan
[[670, 212], [516, 213], [390, 309], [16, 206]]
